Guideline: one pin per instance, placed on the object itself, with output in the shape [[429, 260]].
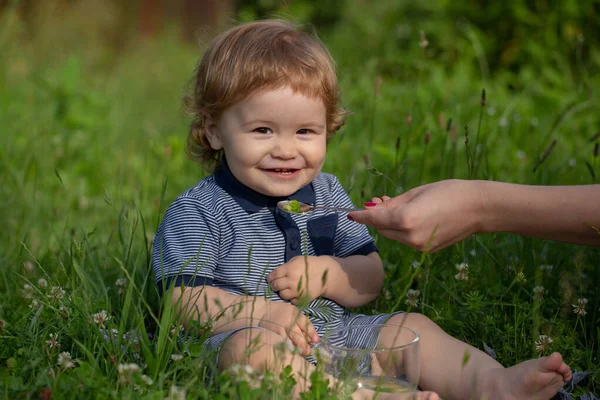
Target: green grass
[[92, 151]]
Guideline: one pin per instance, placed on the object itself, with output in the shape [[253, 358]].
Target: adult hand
[[287, 320], [301, 278], [430, 217]]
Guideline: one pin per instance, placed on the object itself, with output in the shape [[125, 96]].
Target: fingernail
[[350, 217], [370, 204]]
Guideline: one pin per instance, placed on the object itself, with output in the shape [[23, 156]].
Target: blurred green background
[[92, 150]]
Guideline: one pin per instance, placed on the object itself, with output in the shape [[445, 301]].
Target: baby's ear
[[212, 135]]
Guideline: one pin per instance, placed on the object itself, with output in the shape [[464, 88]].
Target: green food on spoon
[[293, 206]]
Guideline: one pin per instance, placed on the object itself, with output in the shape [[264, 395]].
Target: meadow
[[92, 151]]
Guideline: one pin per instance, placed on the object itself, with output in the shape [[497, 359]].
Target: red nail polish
[[350, 217], [370, 204]]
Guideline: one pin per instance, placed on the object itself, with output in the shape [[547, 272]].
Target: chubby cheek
[[243, 154], [315, 155]]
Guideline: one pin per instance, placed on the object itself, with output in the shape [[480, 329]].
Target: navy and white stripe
[[222, 233]]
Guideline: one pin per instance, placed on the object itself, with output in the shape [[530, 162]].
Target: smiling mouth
[[282, 171]]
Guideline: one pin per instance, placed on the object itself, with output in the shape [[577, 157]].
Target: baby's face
[[274, 140]]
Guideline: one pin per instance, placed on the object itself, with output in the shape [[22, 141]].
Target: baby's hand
[[287, 320], [301, 278]]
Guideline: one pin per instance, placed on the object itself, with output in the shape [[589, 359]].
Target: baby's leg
[[265, 351], [481, 377]]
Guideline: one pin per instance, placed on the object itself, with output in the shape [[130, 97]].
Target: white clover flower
[[121, 283], [63, 311], [101, 317], [27, 291], [176, 330], [176, 393], [415, 264], [463, 272], [147, 380], [546, 267], [28, 266], [64, 360], [538, 290], [473, 252], [42, 283], [34, 305], [53, 341], [176, 357], [543, 343], [412, 297], [127, 372], [285, 347], [56, 293], [245, 373], [579, 308]]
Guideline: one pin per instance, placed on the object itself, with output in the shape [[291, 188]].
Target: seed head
[[427, 137], [483, 101], [423, 42], [377, 85], [53, 341]]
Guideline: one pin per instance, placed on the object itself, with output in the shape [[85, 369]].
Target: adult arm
[[434, 216], [563, 213]]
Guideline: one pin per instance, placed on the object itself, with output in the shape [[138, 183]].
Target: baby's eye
[[262, 129], [304, 131]]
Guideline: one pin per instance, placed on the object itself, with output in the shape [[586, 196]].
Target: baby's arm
[[353, 281]]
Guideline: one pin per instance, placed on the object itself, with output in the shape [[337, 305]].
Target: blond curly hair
[[261, 55]]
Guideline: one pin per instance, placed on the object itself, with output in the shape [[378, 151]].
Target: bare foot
[[366, 394], [538, 379]]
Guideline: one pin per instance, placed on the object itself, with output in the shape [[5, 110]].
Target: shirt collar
[[252, 201]]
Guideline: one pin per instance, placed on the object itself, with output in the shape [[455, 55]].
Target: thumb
[[379, 217]]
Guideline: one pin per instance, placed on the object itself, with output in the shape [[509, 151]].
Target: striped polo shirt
[[224, 234]]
